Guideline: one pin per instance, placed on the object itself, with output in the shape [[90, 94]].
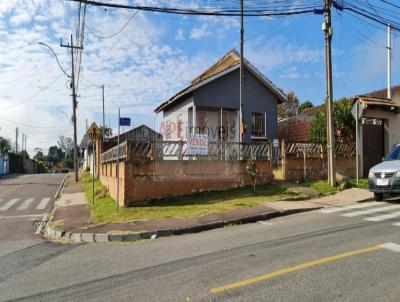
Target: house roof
[[131, 133], [382, 93], [228, 63], [375, 101]]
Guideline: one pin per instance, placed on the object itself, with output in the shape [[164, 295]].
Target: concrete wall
[[148, 180]]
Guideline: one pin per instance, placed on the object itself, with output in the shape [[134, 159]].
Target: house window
[[258, 124]]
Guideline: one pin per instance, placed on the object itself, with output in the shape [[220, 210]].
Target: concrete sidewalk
[[71, 217]]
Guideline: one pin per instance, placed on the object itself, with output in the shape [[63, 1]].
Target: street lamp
[[58, 62]]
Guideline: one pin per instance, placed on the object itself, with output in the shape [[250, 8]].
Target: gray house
[[210, 105]]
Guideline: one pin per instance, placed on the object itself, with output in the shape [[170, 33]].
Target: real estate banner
[[197, 145]]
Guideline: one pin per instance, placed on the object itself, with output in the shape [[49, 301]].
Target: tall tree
[[5, 145], [289, 108]]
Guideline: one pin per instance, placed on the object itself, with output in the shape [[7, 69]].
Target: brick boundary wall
[[145, 180], [316, 168]]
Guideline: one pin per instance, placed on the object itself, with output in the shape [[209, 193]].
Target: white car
[[385, 177]]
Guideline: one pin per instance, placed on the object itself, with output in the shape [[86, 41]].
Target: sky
[[156, 55]]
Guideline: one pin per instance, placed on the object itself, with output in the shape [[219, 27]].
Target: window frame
[[262, 132]]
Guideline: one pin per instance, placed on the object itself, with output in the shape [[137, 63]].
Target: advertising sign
[[197, 145]]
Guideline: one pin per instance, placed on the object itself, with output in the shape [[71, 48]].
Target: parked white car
[[385, 177]]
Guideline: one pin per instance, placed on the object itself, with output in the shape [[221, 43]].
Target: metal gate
[[372, 143]]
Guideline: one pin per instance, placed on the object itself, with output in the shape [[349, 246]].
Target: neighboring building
[[380, 126], [210, 104], [296, 129], [141, 132]]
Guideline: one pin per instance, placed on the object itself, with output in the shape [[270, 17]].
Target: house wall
[[224, 92], [176, 121], [392, 126]]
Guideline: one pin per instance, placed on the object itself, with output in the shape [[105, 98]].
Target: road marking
[[41, 225], [294, 269], [351, 207], [396, 224], [266, 222], [9, 204], [25, 204], [43, 203], [370, 211], [21, 216], [391, 247], [383, 217]]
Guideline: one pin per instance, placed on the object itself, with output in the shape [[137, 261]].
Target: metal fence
[[319, 150], [112, 154], [177, 150]]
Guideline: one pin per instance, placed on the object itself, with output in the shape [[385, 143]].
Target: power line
[[27, 125], [210, 12], [32, 96], [117, 32]]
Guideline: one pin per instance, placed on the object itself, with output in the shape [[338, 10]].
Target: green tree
[[343, 122], [39, 156], [5, 145], [305, 105]]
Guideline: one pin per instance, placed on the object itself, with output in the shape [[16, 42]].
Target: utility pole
[[241, 125], [327, 28], [389, 62], [22, 144], [74, 105], [16, 140], [104, 117]]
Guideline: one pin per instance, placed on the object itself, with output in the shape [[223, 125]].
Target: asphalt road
[[24, 199], [315, 256]]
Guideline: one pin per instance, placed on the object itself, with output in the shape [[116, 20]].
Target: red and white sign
[[197, 145]]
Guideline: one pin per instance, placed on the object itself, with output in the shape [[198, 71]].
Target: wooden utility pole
[[74, 104], [16, 140], [241, 126], [104, 117], [389, 62], [327, 28]]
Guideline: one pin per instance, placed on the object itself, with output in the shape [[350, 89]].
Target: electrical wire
[[117, 32], [32, 96]]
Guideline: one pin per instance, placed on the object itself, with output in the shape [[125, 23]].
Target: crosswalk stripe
[[396, 224], [43, 203], [383, 217], [351, 207], [25, 204], [9, 204], [370, 211]]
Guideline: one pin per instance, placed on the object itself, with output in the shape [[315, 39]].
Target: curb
[[135, 236], [60, 187]]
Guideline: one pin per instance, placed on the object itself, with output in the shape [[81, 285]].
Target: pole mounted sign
[[94, 132], [124, 121]]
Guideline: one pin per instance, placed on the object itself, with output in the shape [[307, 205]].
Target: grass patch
[[322, 188], [104, 208], [362, 183]]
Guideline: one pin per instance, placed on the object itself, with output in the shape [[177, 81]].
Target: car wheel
[[378, 196]]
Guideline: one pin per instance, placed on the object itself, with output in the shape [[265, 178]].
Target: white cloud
[[198, 33]]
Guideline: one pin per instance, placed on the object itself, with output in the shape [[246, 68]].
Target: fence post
[[283, 159], [180, 150]]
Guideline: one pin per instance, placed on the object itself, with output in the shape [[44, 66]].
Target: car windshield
[[394, 154]]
